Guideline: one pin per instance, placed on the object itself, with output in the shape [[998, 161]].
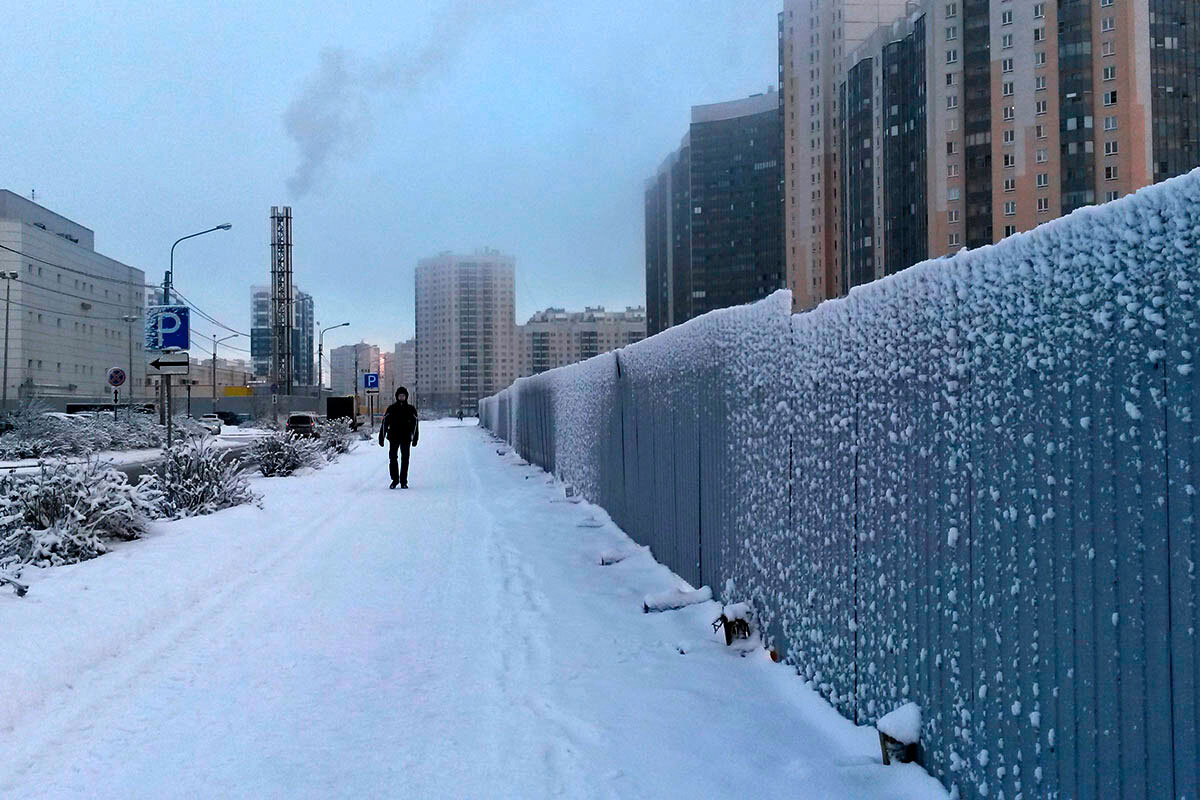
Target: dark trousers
[[399, 472]]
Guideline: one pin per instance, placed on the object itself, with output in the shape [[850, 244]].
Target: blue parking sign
[[168, 328], [371, 381]]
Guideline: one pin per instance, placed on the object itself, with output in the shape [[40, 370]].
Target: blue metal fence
[[972, 485]]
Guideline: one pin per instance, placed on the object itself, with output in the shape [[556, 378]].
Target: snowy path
[[454, 640]]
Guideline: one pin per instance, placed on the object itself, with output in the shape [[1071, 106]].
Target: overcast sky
[[394, 130]]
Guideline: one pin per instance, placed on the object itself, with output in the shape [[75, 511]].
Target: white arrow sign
[[173, 364]]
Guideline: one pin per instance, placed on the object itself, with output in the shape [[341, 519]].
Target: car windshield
[[299, 419]]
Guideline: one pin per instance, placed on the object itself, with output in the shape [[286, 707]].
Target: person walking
[[401, 430]]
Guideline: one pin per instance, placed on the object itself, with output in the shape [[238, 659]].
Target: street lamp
[[8, 278], [216, 342], [320, 364], [129, 320], [167, 280]]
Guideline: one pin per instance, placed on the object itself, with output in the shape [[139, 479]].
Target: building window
[[1039, 58], [951, 101], [1043, 205], [1010, 208], [1040, 107], [1110, 98], [1039, 83], [1009, 230], [952, 170], [952, 216], [1043, 156], [1006, 17], [1039, 10], [954, 239], [951, 10], [952, 193], [1108, 49], [952, 56], [1006, 41], [1010, 184], [1010, 160], [1010, 112], [1110, 172], [951, 148], [1110, 148], [1110, 73], [1110, 123], [1039, 33], [1007, 89], [1006, 65], [1010, 136], [952, 124], [1108, 24], [1110, 196], [1043, 180], [951, 33], [1106, 3], [951, 78], [1040, 131]]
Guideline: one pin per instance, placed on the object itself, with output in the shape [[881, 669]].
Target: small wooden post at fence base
[[900, 734]]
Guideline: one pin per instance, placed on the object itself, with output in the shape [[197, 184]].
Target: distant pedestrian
[[401, 430]]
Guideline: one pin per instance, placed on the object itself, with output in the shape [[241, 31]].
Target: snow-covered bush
[[36, 434], [283, 453], [66, 513], [336, 437], [196, 478]]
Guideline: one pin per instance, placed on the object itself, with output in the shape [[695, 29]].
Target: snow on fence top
[[970, 485]]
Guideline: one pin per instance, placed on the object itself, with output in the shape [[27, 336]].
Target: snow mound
[[902, 724]]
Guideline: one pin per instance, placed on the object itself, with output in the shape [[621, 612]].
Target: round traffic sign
[[116, 377]]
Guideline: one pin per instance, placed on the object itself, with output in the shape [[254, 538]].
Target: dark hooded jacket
[[400, 423]]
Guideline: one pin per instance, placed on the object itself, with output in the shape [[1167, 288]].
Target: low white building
[[72, 314]]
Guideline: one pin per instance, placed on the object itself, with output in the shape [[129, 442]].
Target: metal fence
[[972, 485]]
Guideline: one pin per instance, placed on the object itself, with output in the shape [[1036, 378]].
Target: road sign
[[371, 382], [173, 364], [168, 328], [116, 377]]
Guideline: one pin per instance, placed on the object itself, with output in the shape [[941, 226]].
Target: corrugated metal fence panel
[[1182, 382], [972, 485]]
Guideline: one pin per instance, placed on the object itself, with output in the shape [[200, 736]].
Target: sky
[[395, 130]]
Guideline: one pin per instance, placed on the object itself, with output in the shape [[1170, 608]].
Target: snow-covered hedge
[[971, 485], [279, 454], [336, 437], [196, 478], [65, 513], [35, 434]]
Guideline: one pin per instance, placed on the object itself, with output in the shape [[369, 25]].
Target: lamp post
[[167, 280], [216, 342], [320, 364], [129, 319], [8, 278]]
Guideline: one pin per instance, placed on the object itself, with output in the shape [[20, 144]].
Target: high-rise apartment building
[[73, 313], [814, 38], [466, 344], [347, 363], [404, 368], [965, 122], [714, 213], [301, 331], [556, 337]]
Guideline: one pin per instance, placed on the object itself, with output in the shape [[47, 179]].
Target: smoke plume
[[331, 118]]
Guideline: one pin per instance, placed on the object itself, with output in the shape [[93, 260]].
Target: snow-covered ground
[[458, 639]]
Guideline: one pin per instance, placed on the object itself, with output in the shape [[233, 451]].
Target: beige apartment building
[[814, 38], [556, 337], [956, 124], [465, 343]]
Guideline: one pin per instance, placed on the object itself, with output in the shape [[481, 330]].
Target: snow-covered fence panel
[[971, 485]]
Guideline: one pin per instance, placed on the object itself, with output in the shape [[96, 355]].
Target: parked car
[[212, 422], [229, 418], [302, 425]]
